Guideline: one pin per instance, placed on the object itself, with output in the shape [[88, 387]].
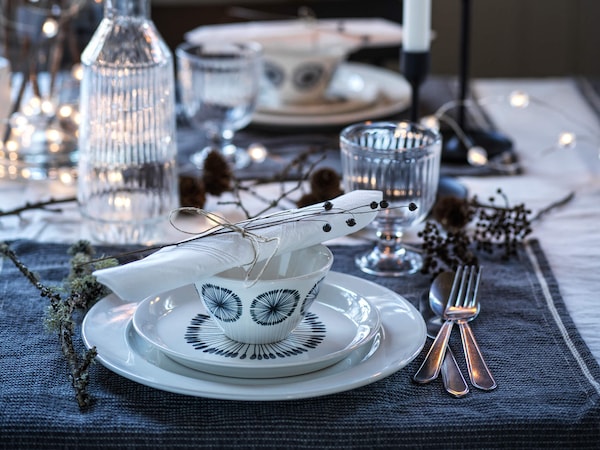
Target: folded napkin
[[355, 33], [241, 245]]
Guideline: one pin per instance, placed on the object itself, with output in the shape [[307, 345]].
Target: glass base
[[237, 157], [394, 263], [122, 233]]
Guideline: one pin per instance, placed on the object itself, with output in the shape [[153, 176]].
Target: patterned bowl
[[300, 72], [267, 309]]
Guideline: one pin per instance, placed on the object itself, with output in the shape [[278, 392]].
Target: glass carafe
[[127, 170]]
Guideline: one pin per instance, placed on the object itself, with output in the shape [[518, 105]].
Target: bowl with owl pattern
[[264, 304]]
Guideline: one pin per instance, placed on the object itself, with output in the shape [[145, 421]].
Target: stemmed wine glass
[[219, 87], [401, 159]]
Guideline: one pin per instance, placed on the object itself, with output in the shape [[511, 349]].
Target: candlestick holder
[[455, 148], [415, 67]]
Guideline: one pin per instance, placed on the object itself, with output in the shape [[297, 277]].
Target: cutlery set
[[453, 297]]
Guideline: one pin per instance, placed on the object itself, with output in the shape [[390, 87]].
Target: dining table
[[538, 329]]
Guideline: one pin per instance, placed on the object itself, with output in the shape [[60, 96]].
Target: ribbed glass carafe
[[127, 170]]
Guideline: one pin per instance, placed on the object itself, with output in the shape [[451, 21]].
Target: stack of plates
[[357, 92], [355, 333]]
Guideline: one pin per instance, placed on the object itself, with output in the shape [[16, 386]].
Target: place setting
[[308, 80], [287, 324]]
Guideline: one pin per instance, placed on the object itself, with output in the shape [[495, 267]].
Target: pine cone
[[325, 183], [217, 174], [191, 191]]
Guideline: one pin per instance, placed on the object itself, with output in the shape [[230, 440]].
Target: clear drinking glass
[[219, 87], [401, 159]]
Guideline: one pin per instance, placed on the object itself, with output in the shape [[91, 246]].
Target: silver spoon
[[438, 297], [452, 377]]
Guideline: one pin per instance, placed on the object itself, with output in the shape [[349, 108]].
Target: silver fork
[[456, 309], [479, 373]]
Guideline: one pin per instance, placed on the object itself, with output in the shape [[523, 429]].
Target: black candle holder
[[415, 68], [454, 149]]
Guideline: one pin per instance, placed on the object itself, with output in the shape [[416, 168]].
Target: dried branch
[[82, 292], [38, 205]]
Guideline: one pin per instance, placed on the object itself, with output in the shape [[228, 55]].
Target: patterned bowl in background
[[299, 70]]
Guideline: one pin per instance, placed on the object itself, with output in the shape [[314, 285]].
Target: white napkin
[[270, 235], [355, 32]]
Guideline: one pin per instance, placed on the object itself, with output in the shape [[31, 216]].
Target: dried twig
[[38, 205], [62, 309]]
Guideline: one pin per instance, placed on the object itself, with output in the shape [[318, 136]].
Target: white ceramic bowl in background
[[299, 70], [268, 309]]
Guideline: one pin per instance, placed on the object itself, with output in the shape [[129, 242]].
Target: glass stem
[[389, 241]]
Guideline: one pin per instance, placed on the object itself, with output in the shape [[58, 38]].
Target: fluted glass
[[127, 168], [403, 161], [219, 84]]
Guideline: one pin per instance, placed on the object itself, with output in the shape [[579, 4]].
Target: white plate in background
[[393, 96]]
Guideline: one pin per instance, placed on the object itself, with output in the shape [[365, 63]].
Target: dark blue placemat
[[547, 395]]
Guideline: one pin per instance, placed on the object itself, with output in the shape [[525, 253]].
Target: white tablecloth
[[570, 235]]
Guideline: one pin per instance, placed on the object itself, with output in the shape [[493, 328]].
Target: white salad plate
[[366, 93], [108, 328], [178, 324]]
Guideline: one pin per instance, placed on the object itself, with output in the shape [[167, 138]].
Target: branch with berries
[[460, 228]]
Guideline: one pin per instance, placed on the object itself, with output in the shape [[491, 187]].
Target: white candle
[[416, 27]]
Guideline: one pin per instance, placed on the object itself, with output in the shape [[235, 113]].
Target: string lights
[[477, 155], [39, 140]]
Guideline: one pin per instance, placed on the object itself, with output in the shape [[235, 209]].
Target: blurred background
[[510, 38]]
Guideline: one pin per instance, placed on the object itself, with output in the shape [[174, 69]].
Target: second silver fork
[[479, 373]]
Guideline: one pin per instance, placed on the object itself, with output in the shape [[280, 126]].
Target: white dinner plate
[[178, 324], [393, 96], [107, 326], [348, 91]]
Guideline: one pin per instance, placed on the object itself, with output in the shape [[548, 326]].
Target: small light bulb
[[11, 146], [18, 121], [567, 140], [54, 135], [47, 107], [477, 156], [65, 111], [519, 99], [77, 71], [50, 27], [431, 122], [32, 107], [257, 152], [66, 178]]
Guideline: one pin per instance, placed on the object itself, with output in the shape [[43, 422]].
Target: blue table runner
[[547, 395]]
